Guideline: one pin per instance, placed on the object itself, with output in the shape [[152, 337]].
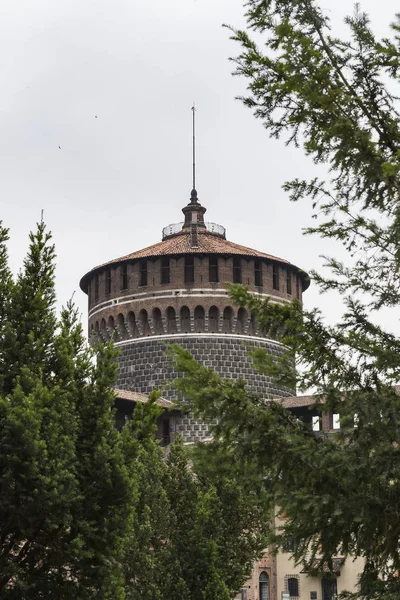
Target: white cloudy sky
[[119, 178]]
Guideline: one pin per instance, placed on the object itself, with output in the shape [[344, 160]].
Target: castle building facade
[[176, 291]]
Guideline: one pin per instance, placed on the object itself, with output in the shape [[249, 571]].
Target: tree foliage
[[336, 99], [198, 528], [87, 511]]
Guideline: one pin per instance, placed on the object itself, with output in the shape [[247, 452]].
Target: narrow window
[[275, 277], [189, 269], [316, 423], [293, 587], [108, 281], [290, 545], [143, 272], [213, 268], [289, 282], [237, 270], [258, 273], [165, 270], [165, 433], [263, 586], [335, 421], [96, 287], [124, 277], [298, 287]]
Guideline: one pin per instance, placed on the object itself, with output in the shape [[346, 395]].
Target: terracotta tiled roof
[[179, 244], [138, 397], [298, 401], [208, 243]]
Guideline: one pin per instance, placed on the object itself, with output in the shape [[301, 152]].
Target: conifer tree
[[335, 98], [197, 532], [65, 485]]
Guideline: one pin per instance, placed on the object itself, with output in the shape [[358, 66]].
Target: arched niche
[[213, 319], [132, 326], [157, 322], [199, 316], [227, 320], [241, 320], [144, 322], [185, 319], [171, 320]]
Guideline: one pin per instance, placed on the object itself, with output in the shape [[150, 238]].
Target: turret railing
[[175, 228]]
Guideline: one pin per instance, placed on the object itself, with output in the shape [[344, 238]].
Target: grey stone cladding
[[144, 366]]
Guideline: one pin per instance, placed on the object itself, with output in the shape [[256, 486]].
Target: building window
[[213, 269], [329, 588], [124, 277], [189, 269], [258, 273], [293, 587], [290, 545], [316, 423], [289, 282], [237, 270], [143, 272], [96, 287], [108, 281], [298, 287], [264, 586], [335, 421], [275, 277], [165, 270]]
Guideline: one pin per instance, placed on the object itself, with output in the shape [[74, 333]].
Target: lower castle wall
[[144, 366]]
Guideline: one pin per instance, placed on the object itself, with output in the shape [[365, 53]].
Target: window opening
[[165, 272], [289, 282], [275, 277], [336, 421], [316, 423], [237, 270], [213, 269], [108, 281], [143, 272], [290, 545], [329, 588], [264, 586], [293, 587], [298, 287], [96, 287], [189, 269], [165, 433], [258, 273], [124, 277]]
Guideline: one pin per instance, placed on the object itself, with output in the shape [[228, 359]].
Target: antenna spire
[[194, 192]]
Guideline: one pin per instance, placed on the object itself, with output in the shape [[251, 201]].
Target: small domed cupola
[[194, 212]]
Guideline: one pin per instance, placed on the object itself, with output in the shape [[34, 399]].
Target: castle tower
[[175, 291]]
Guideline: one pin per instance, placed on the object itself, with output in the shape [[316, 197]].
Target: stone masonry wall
[[144, 366]]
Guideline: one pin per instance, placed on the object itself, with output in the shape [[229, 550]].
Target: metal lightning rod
[[194, 145]]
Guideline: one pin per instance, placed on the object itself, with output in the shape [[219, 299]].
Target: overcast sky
[[96, 131]]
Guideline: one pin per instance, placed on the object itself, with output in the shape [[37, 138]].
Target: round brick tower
[[175, 291]]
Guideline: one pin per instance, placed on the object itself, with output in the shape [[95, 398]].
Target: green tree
[[198, 529], [336, 99], [66, 483]]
